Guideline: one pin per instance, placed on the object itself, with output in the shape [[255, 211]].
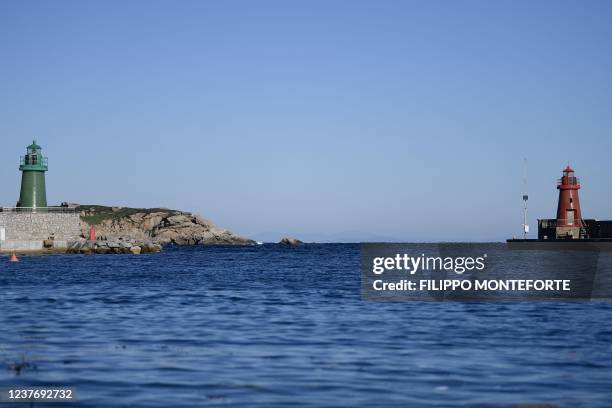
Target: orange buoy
[[14, 258]]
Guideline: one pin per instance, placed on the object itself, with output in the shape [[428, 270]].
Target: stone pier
[[30, 231]]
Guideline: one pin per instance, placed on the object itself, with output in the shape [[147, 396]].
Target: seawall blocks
[[27, 231]]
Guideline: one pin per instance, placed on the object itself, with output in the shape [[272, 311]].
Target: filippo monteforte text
[[477, 285], [412, 264]]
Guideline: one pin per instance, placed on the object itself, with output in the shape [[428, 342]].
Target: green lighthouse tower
[[33, 167]]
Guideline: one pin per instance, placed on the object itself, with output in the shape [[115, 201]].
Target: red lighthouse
[[569, 217]]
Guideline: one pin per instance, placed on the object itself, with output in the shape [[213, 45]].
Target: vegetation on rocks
[[97, 214]]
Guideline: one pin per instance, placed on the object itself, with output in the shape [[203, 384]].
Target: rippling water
[[275, 326]]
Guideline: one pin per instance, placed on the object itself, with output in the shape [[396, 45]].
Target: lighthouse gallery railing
[[33, 160], [53, 210]]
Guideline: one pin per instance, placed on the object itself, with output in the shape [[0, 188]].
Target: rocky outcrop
[[158, 225], [118, 245], [290, 241]]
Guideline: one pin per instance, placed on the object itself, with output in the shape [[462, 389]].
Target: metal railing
[[33, 161], [52, 210], [571, 181]]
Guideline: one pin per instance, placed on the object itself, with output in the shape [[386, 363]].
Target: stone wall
[[40, 226]]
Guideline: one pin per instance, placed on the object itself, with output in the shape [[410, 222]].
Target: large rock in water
[[158, 225], [290, 241]]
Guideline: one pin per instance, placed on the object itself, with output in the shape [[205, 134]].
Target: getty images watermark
[[412, 264], [480, 272]]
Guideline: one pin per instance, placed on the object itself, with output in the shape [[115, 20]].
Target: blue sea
[[283, 326]]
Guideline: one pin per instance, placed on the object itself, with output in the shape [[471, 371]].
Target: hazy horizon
[[402, 120]]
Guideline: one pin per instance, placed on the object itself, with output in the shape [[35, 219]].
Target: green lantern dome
[[33, 167], [34, 146]]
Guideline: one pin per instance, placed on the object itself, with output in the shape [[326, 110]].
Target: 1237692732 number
[[37, 394]]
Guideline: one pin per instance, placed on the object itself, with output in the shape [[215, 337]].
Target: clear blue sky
[[328, 120]]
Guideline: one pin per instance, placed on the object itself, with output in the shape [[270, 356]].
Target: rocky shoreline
[[121, 228], [118, 245]]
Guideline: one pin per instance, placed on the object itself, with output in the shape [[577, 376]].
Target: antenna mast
[[525, 199]]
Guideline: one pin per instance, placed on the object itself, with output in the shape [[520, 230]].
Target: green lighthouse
[[33, 167]]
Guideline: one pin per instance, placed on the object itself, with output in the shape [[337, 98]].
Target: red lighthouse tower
[[569, 217]]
